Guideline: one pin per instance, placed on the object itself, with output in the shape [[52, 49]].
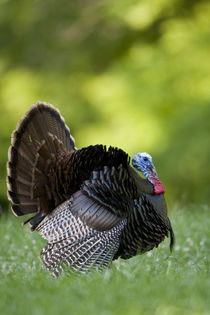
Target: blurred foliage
[[133, 74]]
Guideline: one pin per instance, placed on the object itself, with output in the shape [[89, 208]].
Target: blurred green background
[[132, 74]]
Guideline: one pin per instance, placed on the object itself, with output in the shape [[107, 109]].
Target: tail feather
[[25, 209], [39, 135], [22, 186]]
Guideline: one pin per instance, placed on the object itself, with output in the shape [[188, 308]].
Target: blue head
[[142, 161]]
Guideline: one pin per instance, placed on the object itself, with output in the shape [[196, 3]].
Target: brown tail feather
[[39, 135]]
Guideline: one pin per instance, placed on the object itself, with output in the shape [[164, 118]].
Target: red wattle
[[159, 188]]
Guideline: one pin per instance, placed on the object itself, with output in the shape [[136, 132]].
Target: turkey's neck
[[159, 188]]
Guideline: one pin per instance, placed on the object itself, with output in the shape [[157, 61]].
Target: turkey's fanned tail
[[39, 135]]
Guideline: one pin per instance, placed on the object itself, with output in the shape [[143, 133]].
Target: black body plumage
[[89, 203]]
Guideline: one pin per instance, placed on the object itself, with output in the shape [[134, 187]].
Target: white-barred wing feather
[[72, 242]]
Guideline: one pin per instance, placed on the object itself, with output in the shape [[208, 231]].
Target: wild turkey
[[89, 204]]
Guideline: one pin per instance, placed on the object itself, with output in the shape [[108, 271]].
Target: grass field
[[157, 283]]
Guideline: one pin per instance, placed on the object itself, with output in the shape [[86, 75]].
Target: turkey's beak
[[153, 171]]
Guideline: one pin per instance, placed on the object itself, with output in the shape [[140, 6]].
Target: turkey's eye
[[145, 159]]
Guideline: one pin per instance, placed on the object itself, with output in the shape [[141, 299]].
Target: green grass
[[155, 283]]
